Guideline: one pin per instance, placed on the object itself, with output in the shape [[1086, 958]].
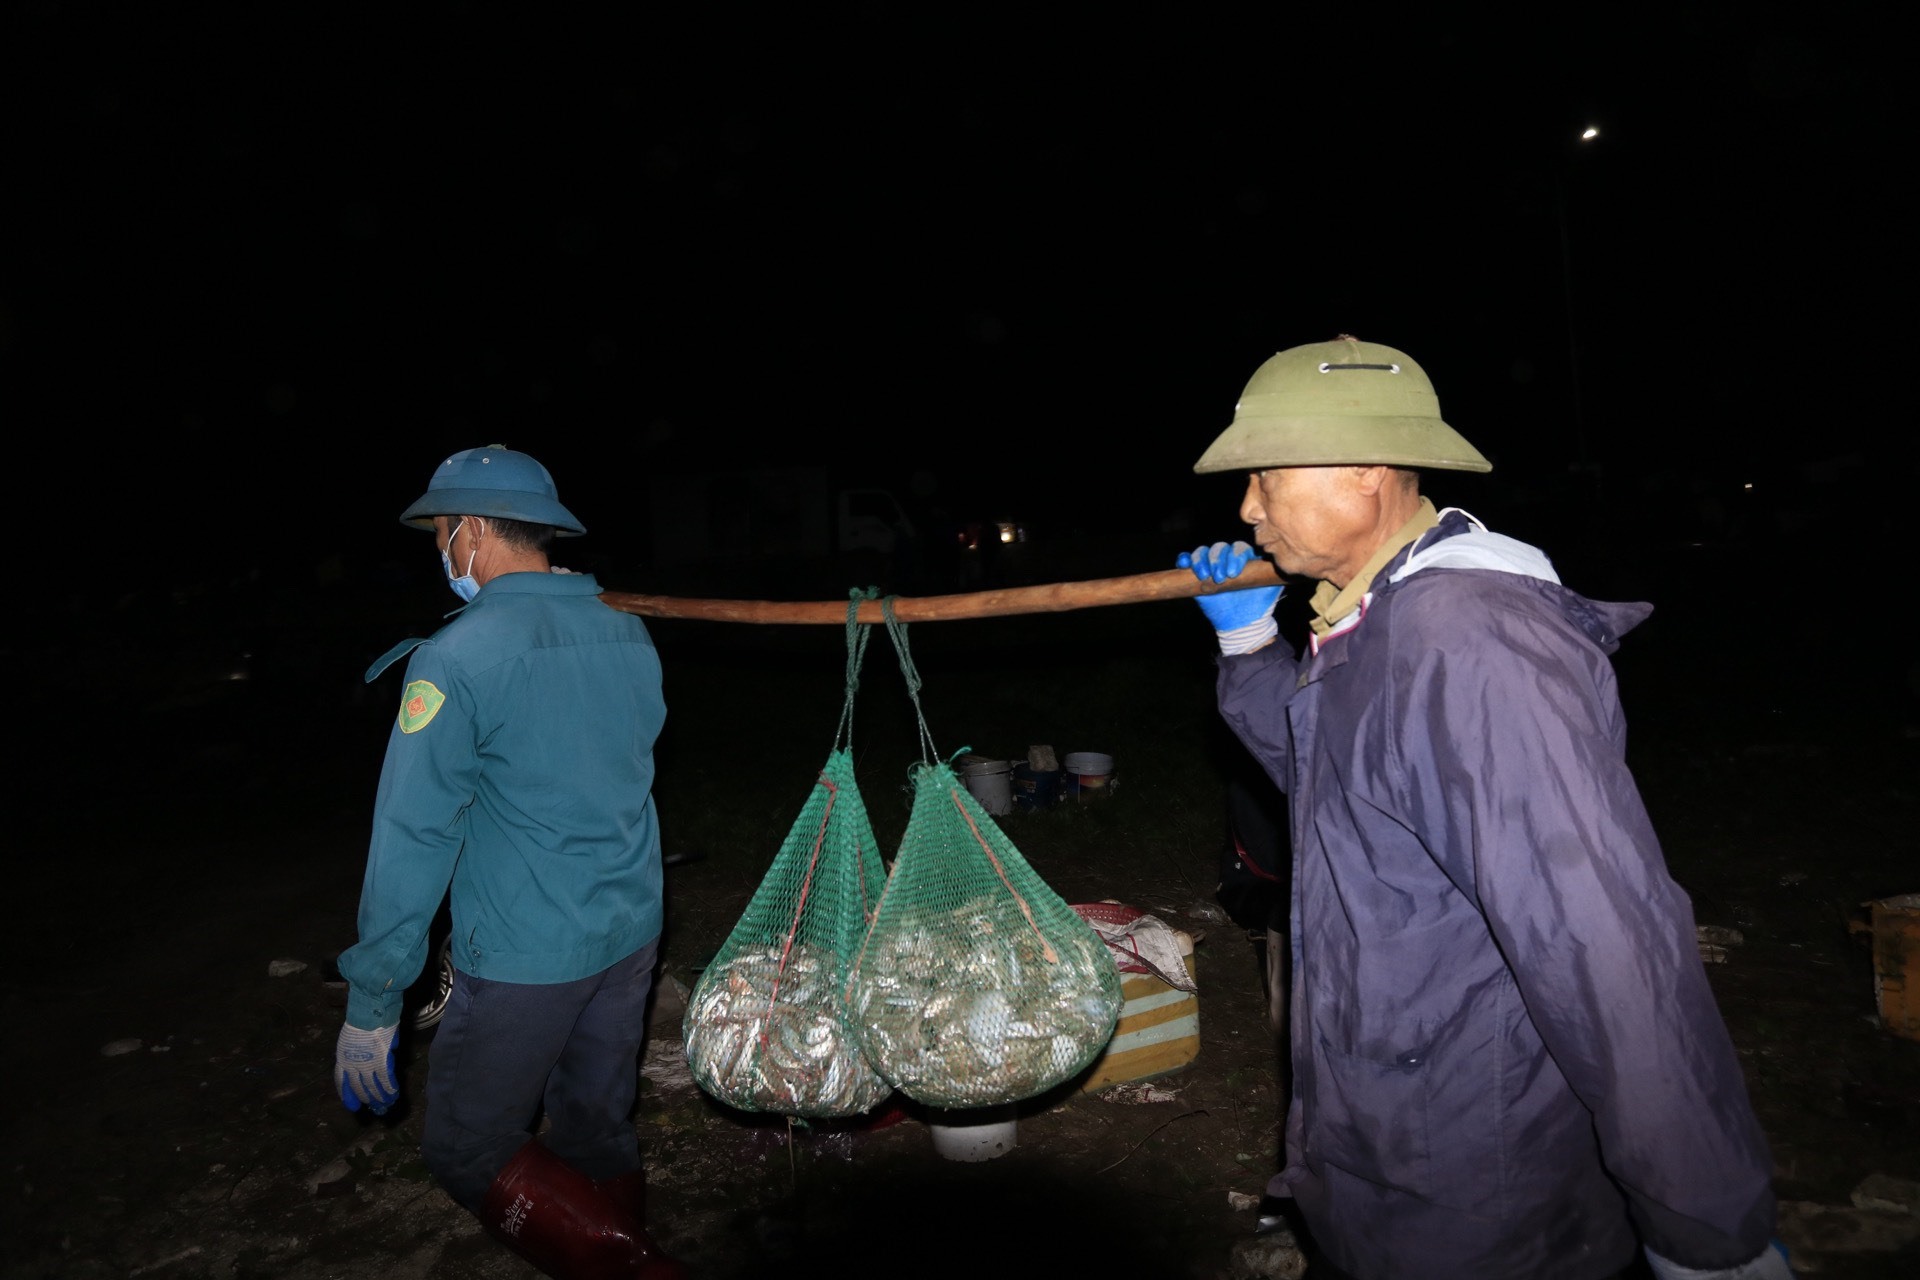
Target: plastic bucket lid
[[1088, 762], [975, 768]]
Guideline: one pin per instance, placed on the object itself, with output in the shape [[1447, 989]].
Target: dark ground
[[176, 831]]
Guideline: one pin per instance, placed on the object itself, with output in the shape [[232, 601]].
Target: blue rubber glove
[[1770, 1265], [363, 1069], [1243, 619]]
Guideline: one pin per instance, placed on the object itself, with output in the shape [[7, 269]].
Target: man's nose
[[1251, 509]]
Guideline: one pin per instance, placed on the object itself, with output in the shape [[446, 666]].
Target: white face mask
[[463, 586]]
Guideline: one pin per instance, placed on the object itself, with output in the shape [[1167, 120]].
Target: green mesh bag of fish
[[767, 1028], [978, 985]]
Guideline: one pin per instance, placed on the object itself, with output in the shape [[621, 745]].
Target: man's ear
[[1370, 480]]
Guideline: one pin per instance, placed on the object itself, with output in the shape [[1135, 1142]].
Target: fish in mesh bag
[[977, 985], [766, 1027]]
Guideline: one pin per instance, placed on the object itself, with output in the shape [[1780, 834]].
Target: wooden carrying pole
[[1167, 584]]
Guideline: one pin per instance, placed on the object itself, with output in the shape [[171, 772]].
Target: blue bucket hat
[[494, 481]]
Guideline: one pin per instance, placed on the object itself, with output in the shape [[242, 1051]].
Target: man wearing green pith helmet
[[518, 777], [1507, 1062]]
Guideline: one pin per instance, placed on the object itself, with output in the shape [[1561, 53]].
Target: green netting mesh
[[978, 985], [766, 1027]]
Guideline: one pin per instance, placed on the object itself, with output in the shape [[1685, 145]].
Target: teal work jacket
[[519, 773]]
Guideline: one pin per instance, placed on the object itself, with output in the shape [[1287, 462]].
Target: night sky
[[267, 264]]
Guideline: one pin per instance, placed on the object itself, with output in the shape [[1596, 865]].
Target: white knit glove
[[1770, 1265], [363, 1068]]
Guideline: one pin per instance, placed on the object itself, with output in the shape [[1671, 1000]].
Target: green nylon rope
[[897, 632], [857, 637]]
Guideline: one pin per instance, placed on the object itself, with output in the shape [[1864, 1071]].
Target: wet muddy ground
[[176, 833]]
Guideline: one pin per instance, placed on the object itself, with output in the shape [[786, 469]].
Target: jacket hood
[[1460, 541]]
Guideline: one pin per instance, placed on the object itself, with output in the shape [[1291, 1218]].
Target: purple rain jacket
[[1507, 1062]]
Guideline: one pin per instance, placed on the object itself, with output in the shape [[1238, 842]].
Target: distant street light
[[1581, 465]]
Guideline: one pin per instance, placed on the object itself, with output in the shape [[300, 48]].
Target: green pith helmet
[[1332, 403]]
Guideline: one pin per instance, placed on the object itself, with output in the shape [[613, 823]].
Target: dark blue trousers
[[505, 1051]]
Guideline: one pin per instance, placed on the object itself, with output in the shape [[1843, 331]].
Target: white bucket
[[1089, 774], [974, 1135], [991, 783]]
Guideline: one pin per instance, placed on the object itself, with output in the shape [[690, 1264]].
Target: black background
[[267, 264]]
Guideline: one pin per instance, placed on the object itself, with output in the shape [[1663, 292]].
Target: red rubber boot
[[554, 1216]]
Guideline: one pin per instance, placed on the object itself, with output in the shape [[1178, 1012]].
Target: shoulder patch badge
[[418, 705]]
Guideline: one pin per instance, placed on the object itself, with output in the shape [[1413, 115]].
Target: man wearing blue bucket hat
[[1507, 1061], [518, 781]]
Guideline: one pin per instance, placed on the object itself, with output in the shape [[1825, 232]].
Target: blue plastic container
[[1034, 789]]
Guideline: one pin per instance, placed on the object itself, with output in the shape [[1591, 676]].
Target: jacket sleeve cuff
[[373, 1012]]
